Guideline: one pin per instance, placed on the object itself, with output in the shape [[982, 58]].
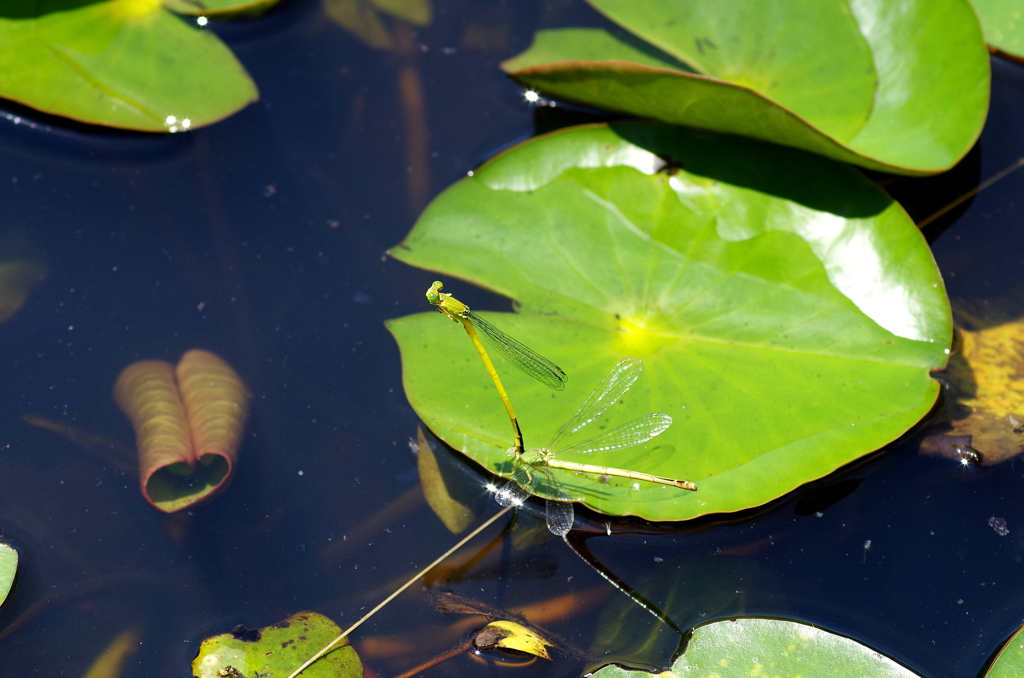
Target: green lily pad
[[787, 311], [1009, 663], [771, 647], [220, 9], [276, 651], [8, 568], [1003, 23], [120, 63], [858, 83]]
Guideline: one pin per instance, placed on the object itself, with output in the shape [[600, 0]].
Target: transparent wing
[[560, 516], [520, 355], [636, 432], [558, 511], [607, 393], [515, 491]]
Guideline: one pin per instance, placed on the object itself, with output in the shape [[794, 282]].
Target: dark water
[[262, 239]]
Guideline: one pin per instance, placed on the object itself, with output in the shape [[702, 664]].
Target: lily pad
[[8, 568], [1003, 23], [787, 311], [855, 82], [276, 651], [1009, 663], [121, 63], [770, 647], [220, 9]]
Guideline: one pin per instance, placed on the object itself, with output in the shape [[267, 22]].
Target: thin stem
[[441, 658], [971, 193], [402, 588]]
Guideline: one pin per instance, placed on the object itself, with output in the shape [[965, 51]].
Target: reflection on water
[[157, 245]]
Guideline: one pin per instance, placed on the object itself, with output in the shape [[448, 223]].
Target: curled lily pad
[[120, 63], [786, 310], [770, 647], [857, 82], [188, 423]]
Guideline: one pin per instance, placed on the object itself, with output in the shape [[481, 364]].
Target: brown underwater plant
[[188, 423]]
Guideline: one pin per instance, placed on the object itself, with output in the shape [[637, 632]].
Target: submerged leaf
[[8, 568], [770, 647], [985, 396], [276, 651], [418, 12], [111, 451], [455, 515], [188, 425], [787, 311], [17, 279], [512, 636], [111, 660], [359, 18], [121, 63]]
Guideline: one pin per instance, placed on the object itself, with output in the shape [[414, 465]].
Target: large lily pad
[[121, 63], [787, 311], [771, 647], [858, 82], [1003, 22]]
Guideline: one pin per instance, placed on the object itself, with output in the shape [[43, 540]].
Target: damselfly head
[[434, 292]]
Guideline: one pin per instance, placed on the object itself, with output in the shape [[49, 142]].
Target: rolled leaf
[[216, 404], [188, 426]]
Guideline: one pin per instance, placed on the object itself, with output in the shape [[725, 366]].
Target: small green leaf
[[858, 83], [1003, 23], [276, 651], [786, 310], [121, 63], [770, 647], [8, 568]]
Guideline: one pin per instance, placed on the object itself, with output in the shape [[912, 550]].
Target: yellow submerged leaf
[[417, 12], [512, 636], [359, 18], [455, 516], [111, 661], [985, 396], [17, 279]]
